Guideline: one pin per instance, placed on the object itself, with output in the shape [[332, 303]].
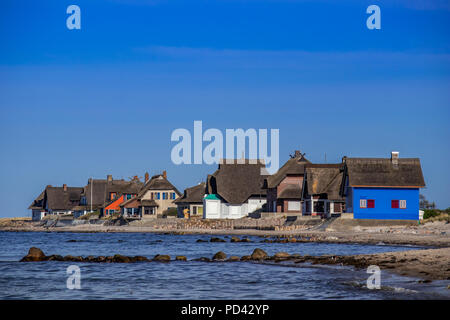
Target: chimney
[[109, 178], [165, 174], [394, 158], [344, 159], [147, 177], [297, 154], [65, 187]]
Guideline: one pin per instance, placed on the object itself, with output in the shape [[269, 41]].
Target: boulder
[[234, 258], [34, 254], [235, 239], [220, 256], [201, 240], [203, 259], [121, 259], [282, 255], [259, 254], [55, 257], [246, 258], [161, 258], [139, 259], [180, 258], [246, 240], [216, 240]]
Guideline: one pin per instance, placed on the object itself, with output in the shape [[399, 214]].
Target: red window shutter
[[394, 204], [370, 203]]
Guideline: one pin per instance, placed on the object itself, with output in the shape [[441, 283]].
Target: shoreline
[[423, 240]]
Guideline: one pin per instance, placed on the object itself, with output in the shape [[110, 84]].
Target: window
[[164, 195], [172, 195], [112, 195], [293, 205], [370, 203], [394, 204], [128, 196], [157, 195], [194, 209], [402, 204], [363, 203]]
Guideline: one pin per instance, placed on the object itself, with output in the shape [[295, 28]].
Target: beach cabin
[[235, 190], [382, 188], [321, 190], [284, 188], [191, 202]]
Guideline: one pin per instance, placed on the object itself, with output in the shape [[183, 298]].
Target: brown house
[[321, 190], [57, 201], [99, 193], [155, 197], [284, 188], [192, 201]]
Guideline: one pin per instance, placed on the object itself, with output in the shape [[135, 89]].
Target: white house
[[234, 190]]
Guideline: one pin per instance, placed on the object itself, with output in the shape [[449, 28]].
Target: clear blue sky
[[105, 99]]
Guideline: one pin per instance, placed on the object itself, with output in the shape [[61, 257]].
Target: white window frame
[[402, 204], [294, 205], [363, 203]]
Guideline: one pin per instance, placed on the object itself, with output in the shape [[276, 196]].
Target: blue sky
[[105, 99]]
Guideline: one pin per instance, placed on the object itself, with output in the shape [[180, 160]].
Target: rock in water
[[161, 258], [180, 258], [216, 240], [220, 256], [259, 254], [281, 255], [121, 259], [235, 239], [233, 258], [34, 254]]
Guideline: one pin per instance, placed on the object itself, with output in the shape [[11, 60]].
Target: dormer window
[[112, 195]]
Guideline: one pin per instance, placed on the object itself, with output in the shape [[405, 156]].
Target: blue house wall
[[383, 197]]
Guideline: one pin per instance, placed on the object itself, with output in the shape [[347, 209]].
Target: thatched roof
[[382, 172], [193, 194], [237, 182], [101, 188], [38, 203], [291, 191], [294, 166], [158, 182], [323, 179], [56, 198]]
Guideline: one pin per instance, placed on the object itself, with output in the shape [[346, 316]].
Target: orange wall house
[[114, 206]]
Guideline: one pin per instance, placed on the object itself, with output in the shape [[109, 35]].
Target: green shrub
[[430, 213]]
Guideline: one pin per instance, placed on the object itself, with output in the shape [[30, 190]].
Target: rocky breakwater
[[429, 264]]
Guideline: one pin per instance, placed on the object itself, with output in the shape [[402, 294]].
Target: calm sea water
[[191, 280]]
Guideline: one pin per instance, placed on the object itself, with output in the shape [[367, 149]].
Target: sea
[[192, 279]]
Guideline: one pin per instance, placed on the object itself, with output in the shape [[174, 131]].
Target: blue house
[[382, 188]]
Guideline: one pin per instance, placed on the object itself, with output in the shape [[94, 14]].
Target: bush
[[170, 212], [429, 213]]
